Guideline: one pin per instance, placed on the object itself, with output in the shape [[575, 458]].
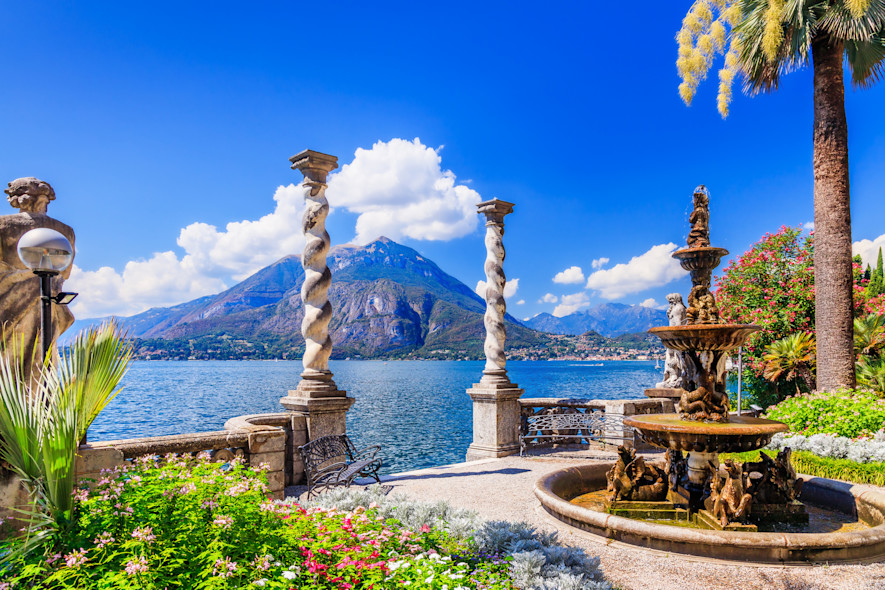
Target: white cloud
[[599, 263], [510, 288], [571, 303], [573, 275], [399, 190], [650, 303], [651, 269], [808, 226], [520, 302], [213, 260], [869, 250], [548, 298]]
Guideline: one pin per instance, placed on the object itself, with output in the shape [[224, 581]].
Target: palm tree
[[871, 374], [791, 357], [768, 38]]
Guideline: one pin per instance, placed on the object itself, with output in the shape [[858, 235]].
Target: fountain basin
[[700, 259], [705, 337], [739, 434], [556, 489]]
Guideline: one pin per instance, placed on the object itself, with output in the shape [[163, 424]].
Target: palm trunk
[[832, 220]]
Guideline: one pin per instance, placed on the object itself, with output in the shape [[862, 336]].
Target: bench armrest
[[367, 453]]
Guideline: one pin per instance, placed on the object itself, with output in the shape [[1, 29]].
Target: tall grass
[[45, 414]]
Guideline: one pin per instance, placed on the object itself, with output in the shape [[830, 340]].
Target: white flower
[[260, 582], [289, 575]]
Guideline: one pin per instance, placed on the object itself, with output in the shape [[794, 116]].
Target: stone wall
[[271, 439]]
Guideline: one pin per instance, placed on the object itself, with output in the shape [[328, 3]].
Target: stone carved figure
[[676, 309], [702, 308], [677, 469], [704, 402], [775, 480], [632, 479], [728, 500], [699, 235], [19, 287], [674, 362]]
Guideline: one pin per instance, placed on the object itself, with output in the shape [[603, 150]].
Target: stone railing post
[[317, 396], [495, 398]]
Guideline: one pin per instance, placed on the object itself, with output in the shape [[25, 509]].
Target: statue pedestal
[[495, 420], [323, 404]]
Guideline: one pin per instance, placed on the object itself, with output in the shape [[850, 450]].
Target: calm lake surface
[[417, 411]]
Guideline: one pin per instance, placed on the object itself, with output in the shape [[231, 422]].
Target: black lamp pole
[[46, 308]]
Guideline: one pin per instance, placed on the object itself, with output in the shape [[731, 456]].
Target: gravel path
[[501, 489]]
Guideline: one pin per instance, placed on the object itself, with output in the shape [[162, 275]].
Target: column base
[[495, 419], [325, 415]]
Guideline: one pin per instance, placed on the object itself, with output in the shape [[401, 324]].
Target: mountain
[[387, 299], [608, 319]]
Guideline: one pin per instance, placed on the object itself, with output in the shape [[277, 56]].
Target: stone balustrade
[[271, 439], [614, 411]]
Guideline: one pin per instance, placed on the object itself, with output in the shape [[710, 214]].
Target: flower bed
[[192, 524], [845, 412]]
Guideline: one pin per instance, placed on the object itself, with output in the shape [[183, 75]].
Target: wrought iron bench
[[333, 460], [572, 427]]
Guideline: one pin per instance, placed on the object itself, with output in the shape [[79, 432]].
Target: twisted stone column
[[496, 334], [495, 399], [317, 396]]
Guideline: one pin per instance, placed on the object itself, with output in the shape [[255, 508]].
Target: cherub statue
[[699, 236], [676, 310], [632, 479]]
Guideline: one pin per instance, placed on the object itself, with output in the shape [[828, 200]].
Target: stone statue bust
[[19, 287]]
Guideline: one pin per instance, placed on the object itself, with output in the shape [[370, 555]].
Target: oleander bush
[[845, 412], [189, 523]]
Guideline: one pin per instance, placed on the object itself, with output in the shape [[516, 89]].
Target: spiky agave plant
[[791, 357], [44, 416]]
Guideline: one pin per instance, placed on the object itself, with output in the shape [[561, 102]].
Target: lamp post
[[47, 253]]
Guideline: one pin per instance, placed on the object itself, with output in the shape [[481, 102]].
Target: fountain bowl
[[700, 259], [738, 435], [705, 337]]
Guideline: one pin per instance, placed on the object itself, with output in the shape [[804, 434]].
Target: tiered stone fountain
[[717, 508]]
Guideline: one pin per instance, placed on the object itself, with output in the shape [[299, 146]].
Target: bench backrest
[[326, 450]]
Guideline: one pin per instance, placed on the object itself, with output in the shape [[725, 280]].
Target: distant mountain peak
[[609, 319]]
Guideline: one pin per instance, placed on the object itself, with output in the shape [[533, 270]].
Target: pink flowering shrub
[[188, 523]]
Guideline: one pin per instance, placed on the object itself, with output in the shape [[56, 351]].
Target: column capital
[[495, 210], [314, 165]]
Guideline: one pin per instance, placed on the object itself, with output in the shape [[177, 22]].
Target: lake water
[[417, 411]]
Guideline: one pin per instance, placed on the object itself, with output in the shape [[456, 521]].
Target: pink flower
[[102, 540], [145, 534], [224, 568], [136, 566], [76, 558], [223, 521]]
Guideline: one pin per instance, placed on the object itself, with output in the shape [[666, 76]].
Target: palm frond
[[841, 24], [866, 60]]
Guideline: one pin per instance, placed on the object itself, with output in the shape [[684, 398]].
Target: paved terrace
[[502, 489]]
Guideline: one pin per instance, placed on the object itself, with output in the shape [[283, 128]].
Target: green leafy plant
[[844, 412], [45, 415]]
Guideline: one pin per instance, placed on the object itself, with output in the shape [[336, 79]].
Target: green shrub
[[191, 524], [844, 412], [811, 464]]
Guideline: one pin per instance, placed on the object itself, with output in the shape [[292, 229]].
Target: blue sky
[[159, 124]]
